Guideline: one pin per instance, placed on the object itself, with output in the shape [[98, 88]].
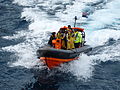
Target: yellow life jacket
[[78, 37]]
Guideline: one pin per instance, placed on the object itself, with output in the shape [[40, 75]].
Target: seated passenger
[[52, 37], [78, 39]]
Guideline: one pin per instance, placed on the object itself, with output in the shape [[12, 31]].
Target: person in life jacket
[[83, 38], [69, 27], [78, 39], [61, 35], [57, 43], [70, 38], [52, 37]]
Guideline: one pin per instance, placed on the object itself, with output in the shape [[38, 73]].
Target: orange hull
[[53, 62]]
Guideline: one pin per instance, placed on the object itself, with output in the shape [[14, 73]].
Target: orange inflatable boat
[[53, 57]]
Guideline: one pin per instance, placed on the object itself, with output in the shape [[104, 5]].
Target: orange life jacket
[[57, 43]]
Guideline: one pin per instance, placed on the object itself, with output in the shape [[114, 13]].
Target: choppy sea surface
[[25, 26]]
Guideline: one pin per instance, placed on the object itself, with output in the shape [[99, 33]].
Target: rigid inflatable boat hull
[[53, 62], [54, 57]]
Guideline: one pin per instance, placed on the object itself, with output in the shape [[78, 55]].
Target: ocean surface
[[25, 26]]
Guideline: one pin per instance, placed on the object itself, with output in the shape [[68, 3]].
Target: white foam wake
[[82, 68], [99, 37]]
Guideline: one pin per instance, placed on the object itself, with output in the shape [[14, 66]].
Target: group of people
[[67, 38]]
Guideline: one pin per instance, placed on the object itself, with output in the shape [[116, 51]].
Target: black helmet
[[69, 26], [53, 33]]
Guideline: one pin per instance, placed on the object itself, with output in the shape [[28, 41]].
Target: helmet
[[69, 26], [53, 33]]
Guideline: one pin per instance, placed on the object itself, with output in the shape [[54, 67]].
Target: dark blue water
[[105, 75]]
